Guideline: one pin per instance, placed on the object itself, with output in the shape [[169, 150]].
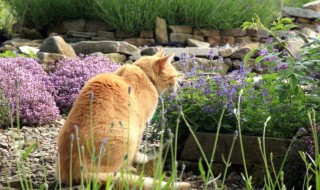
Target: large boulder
[[56, 44]]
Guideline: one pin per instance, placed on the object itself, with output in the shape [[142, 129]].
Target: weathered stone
[[241, 52], [314, 5], [181, 29], [226, 52], [294, 45], [122, 34], [56, 44], [228, 62], [31, 34], [150, 51], [140, 41], [309, 32], [198, 35], [103, 39], [198, 52], [81, 34], [68, 25], [238, 32], [49, 58], [303, 20], [236, 63], [161, 33], [257, 32], [299, 12], [17, 42], [197, 43], [28, 50], [73, 40], [146, 34], [105, 34], [243, 40], [180, 37], [89, 47], [192, 153], [210, 32], [116, 57], [94, 26], [214, 41], [10, 48], [129, 49], [134, 57], [227, 40]]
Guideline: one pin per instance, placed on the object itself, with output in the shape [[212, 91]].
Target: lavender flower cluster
[[70, 75], [26, 84]]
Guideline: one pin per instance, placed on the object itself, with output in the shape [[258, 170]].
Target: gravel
[[39, 164]]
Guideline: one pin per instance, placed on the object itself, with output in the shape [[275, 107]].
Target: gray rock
[[294, 45], [56, 44], [240, 53], [94, 26], [116, 57], [236, 63], [150, 51], [226, 52], [180, 37], [129, 49], [89, 47], [228, 62], [140, 41], [17, 42], [313, 5], [105, 34], [81, 34], [160, 31], [68, 25], [28, 50], [210, 32], [146, 34], [197, 43], [237, 32], [122, 34], [299, 12], [198, 52], [181, 29], [31, 34]]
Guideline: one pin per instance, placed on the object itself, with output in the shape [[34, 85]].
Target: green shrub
[[130, 15], [45, 12], [218, 14], [6, 18]]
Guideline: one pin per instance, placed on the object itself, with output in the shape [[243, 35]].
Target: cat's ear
[[160, 53], [162, 62]]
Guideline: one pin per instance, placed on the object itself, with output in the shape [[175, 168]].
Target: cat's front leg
[[140, 158]]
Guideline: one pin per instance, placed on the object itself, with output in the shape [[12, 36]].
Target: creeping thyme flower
[[263, 52], [70, 75], [36, 103]]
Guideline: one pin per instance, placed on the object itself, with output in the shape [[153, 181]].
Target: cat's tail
[[133, 181]]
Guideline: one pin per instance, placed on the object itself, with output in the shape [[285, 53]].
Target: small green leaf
[[202, 172], [29, 150]]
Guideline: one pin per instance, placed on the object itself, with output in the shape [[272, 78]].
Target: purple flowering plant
[[70, 75], [27, 86]]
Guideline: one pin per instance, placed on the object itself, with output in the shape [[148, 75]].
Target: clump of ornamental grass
[[36, 103], [69, 76]]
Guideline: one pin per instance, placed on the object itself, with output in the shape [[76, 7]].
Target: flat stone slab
[[196, 51], [304, 13], [191, 151]]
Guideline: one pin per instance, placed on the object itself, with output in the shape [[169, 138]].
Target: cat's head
[[160, 71]]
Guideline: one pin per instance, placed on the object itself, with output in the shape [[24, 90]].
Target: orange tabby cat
[[122, 104]]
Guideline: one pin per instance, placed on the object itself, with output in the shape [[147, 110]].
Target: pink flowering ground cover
[[70, 75], [26, 85]]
